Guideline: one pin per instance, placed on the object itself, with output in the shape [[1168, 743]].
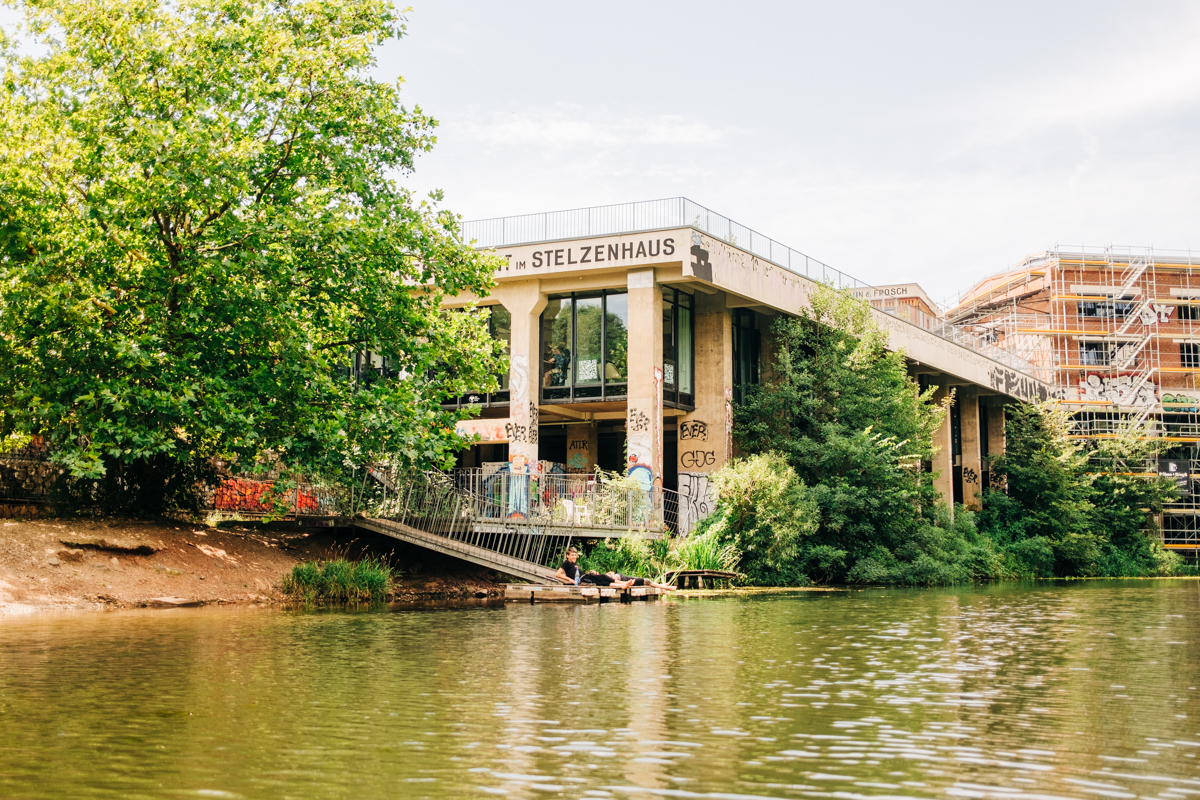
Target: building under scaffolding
[[1117, 330]]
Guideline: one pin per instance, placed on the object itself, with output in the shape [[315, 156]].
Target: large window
[[585, 346], [500, 329], [1106, 309], [679, 356], [1188, 311], [1095, 354], [1189, 354], [746, 345]]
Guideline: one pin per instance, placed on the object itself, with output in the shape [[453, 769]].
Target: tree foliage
[[841, 410], [1074, 510], [200, 223]]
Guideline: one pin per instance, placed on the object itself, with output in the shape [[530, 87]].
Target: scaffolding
[[1117, 329]]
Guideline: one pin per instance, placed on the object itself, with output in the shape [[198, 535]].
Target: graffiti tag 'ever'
[[638, 421], [694, 429]]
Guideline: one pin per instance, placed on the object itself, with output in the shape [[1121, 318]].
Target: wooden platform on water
[[562, 593]]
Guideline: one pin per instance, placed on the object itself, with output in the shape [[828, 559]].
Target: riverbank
[[99, 564]]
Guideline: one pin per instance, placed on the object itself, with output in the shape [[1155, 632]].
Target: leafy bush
[[630, 554], [765, 512], [340, 580]]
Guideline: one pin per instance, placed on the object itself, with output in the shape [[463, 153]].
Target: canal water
[[1022, 691]]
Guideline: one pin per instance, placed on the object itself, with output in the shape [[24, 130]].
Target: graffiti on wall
[[1175, 401], [1156, 314], [488, 430], [695, 452], [259, 497], [658, 415], [520, 427], [1122, 389], [1014, 384], [695, 499]]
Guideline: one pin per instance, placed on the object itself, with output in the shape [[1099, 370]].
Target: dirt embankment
[[58, 563]]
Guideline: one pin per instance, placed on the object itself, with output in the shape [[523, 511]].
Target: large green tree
[[200, 223], [843, 412]]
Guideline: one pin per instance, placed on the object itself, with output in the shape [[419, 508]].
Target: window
[[1189, 354], [500, 329], [1187, 311], [746, 345], [1107, 309], [585, 346], [678, 351], [1095, 354]]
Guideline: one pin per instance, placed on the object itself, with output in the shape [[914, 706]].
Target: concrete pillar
[[525, 303], [582, 443], [996, 435], [972, 459], [706, 434], [644, 412], [943, 466]]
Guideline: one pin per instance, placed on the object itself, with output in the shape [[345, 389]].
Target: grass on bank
[[340, 580]]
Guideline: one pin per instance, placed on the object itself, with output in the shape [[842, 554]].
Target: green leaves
[[201, 225]]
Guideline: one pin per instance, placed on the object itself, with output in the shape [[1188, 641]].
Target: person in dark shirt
[[570, 572]]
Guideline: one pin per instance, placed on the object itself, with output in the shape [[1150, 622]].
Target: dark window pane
[[555, 366], [587, 341], [616, 345]]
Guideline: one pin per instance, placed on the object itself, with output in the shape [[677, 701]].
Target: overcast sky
[[935, 142]]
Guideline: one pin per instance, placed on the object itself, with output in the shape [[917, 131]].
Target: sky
[[897, 142]]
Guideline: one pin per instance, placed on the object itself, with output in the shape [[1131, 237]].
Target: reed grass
[[340, 580]]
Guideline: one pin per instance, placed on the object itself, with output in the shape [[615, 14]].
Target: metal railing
[[648, 215], [566, 501], [679, 212]]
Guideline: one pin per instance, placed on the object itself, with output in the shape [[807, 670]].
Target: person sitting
[[571, 573], [616, 576]]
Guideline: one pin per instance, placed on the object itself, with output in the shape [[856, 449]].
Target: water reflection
[[1074, 690]]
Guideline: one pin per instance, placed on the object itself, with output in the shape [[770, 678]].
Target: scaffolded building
[[1117, 331]]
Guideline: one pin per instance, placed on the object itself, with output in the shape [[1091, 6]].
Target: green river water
[[1089, 689]]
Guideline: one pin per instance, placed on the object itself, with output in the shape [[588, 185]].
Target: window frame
[[604, 384], [674, 396]]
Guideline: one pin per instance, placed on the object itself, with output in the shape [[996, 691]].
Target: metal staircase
[[516, 525]]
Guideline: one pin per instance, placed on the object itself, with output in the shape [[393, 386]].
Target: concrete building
[[1117, 332], [630, 329]]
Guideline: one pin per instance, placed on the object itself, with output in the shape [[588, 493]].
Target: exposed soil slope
[[58, 563]]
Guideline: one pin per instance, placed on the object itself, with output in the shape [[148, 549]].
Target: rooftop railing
[[649, 215], [679, 212]]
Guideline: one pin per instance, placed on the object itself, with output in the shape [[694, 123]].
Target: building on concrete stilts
[[630, 329]]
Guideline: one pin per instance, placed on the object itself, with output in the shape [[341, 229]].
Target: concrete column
[[996, 435], [644, 412], [582, 442], [705, 435], [525, 303], [972, 460], [943, 466]]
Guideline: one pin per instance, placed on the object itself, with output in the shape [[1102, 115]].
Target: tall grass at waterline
[[340, 580], [706, 551]]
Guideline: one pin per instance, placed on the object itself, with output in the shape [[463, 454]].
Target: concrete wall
[[705, 435]]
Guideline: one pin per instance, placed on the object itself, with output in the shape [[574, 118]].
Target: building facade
[[627, 349], [1117, 331]]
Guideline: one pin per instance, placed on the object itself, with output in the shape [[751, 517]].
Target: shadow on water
[[1045, 689]]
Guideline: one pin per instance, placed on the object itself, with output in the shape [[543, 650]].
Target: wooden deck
[[561, 593]]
